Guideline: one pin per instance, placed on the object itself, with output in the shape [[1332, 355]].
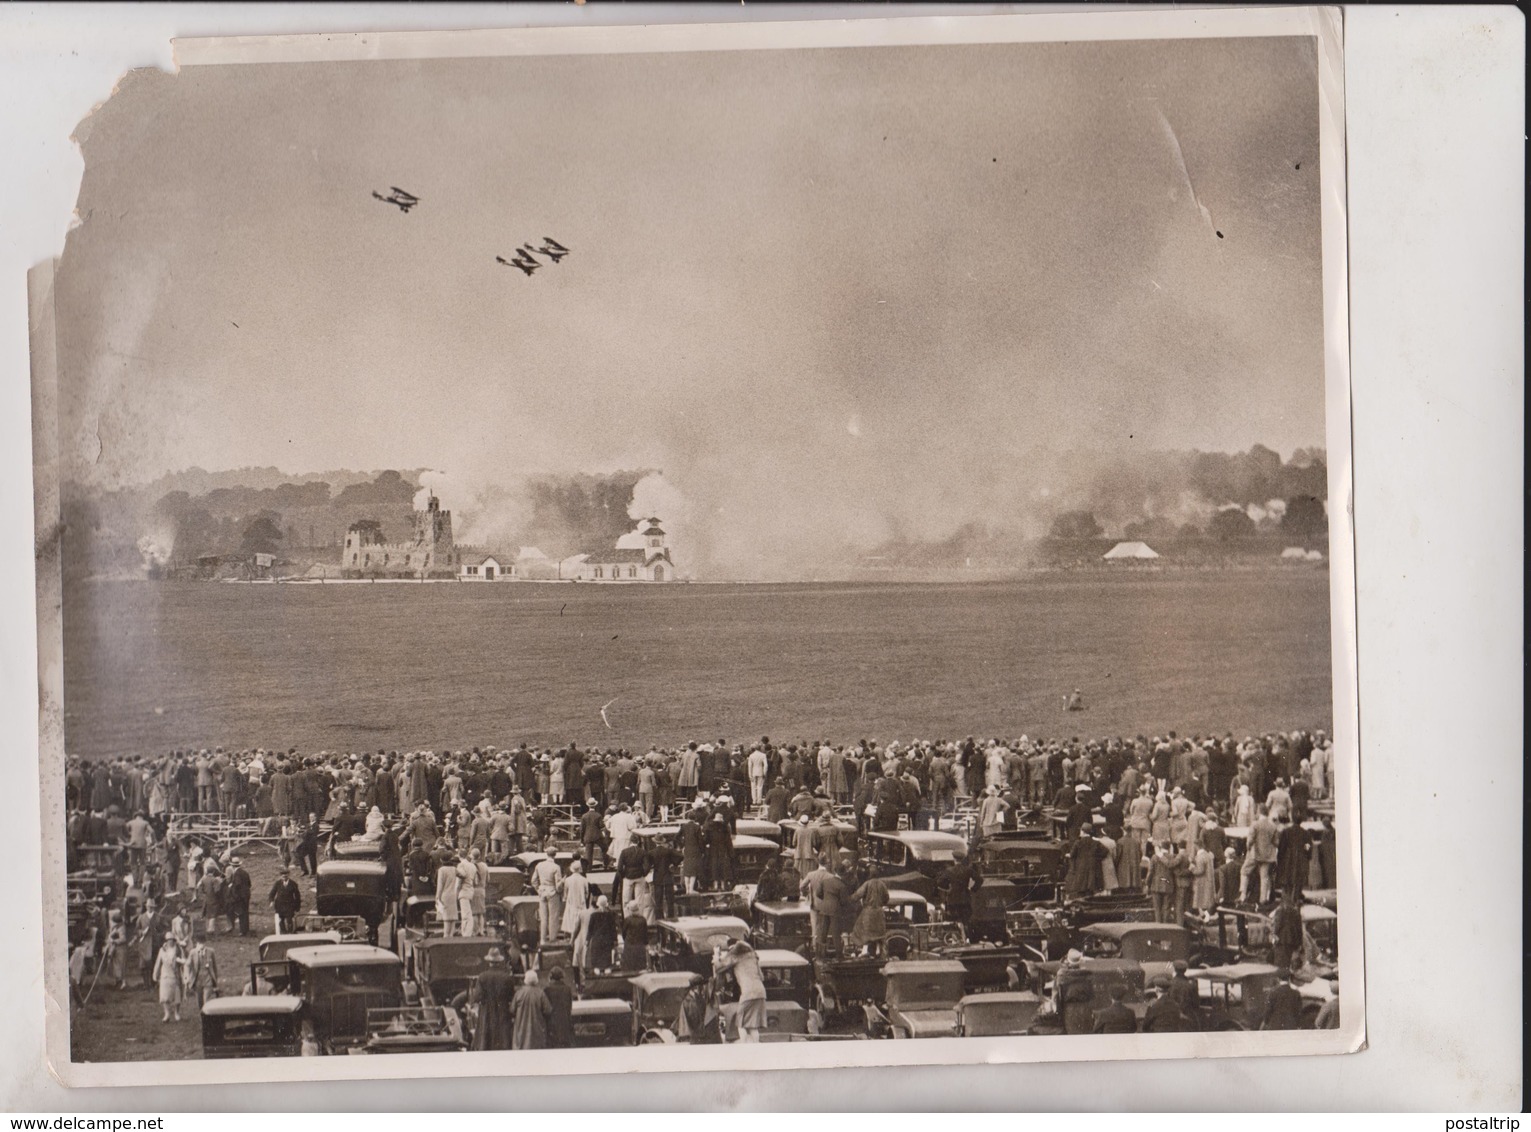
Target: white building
[[650, 562]]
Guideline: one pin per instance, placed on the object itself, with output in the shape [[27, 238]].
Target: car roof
[[1233, 973], [1312, 912], [998, 996], [352, 868], [661, 980], [781, 957], [594, 1005], [749, 841], [784, 907], [1123, 929], [313, 938], [757, 824], [904, 896], [686, 925], [923, 967], [239, 1004], [343, 955], [431, 942], [921, 841]]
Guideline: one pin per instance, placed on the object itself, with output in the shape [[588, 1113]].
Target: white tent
[[1129, 550], [1294, 552], [1315, 556]]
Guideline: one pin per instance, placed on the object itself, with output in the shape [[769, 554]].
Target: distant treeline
[[1190, 506], [169, 524]]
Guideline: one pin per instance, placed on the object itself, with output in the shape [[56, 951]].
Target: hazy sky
[[823, 286]]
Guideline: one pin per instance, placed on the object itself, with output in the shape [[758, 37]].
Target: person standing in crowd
[[574, 890], [529, 1015], [590, 830], [827, 895], [168, 977], [1161, 882], [236, 888], [1329, 1014], [744, 964], [561, 1011], [1203, 873], [871, 926], [449, 895], [1116, 1018], [545, 880], [286, 900], [1283, 1011], [308, 847], [1260, 857], [201, 967], [1286, 932], [492, 992]]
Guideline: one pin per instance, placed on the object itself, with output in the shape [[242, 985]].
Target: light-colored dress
[[576, 897], [167, 975]]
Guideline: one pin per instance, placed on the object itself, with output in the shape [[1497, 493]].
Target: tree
[[1231, 523], [261, 537], [1305, 518], [1077, 525]]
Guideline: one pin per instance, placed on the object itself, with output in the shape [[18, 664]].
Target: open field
[[151, 666]]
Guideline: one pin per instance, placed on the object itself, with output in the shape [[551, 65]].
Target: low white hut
[[1130, 552]]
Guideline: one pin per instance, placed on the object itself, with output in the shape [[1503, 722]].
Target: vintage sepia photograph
[[702, 548]]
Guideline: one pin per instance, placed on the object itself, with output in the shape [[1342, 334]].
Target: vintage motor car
[[419, 913], [845, 985], [998, 1014], [781, 923], [758, 827], [353, 888], [920, 999], [258, 1025], [721, 902], [751, 855], [274, 948], [1237, 996], [657, 997], [1023, 854], [988, 965], [356, 850], [687, 943], [564, 836], [339, 984], [95, 874], [1233, 934], [991, 902], [602, 1022], [1081, 989], [504, 880], [1116, 907], [413, 1029], [520, 921], [914, 859], [1155, 946], [439, 970]]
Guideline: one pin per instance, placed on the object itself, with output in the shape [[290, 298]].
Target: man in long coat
[[530, 1012], [492, 992]]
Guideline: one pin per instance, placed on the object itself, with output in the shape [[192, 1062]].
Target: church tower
[[653, 538]]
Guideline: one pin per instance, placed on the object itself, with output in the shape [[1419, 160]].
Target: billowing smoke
[[655, 497], [156, 550], [433, 483]]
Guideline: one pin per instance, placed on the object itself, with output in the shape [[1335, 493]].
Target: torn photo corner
[[702, 547]]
